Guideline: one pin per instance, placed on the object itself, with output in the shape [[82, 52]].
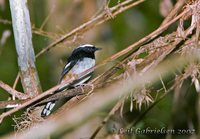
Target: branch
[[101, 18], [179, 4], [50, 91], [12, 103], [98, 81], [147, 38], [23, 41], [5, 21], [104, 97], [153, 60], [12, 91], [51, 97], [40, 96], [139, 118], [127, 50], [105, 120], [82, 90], [140, 42], [156, 57]]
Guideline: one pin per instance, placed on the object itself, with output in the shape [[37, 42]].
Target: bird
[[81, 59]]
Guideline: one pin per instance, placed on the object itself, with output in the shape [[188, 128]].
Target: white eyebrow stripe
[[87, 45]]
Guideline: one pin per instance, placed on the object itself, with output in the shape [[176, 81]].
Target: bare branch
[[179, 4], [12, 91], [12, 103], [5, 21], [129, 48], [101, 18], [105, 120], [40, 96], [149, 37], [23, 40], [142, 41], [80, 114]]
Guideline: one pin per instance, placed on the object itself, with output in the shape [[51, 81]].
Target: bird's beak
[[97, 49]]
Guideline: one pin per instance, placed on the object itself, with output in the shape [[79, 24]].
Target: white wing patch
[[81, 66], [66, 66]]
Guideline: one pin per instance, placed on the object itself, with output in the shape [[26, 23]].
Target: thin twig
[[114, 108], [12, 103], [119, 54], [163, 84], [97, 82], [198, 113], [99, 19], [139, 118], [149, 37], [41, 32], [15, 84], [80, 114], [112, 112], [46, 19], [179, 4], [40, 96], [64, 95], [162, 57], [12, 91], [140, 42], [5, 21], [46, 93]]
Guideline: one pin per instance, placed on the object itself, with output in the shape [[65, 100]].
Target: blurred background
[[58, 17]]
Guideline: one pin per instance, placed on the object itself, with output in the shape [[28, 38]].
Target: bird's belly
[[83, 65]]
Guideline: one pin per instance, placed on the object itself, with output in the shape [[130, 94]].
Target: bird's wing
[[66, 74], [67, 68]]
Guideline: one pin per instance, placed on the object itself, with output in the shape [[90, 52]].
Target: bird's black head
[[86, 50]]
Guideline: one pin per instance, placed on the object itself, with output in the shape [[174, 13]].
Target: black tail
[[47, 109], [50, 105]]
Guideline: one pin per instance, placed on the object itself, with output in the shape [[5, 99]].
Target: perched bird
[[81, 59]]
